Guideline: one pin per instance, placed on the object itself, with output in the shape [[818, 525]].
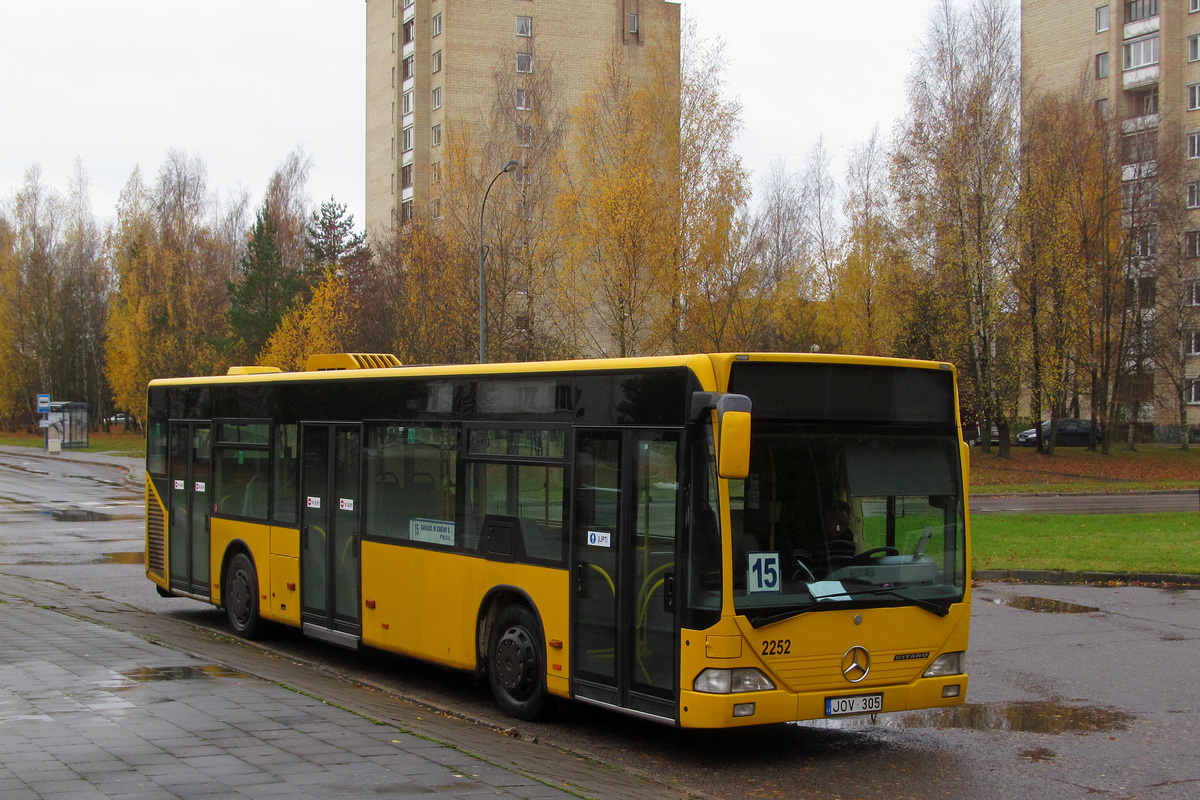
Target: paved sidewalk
[[90, 711]]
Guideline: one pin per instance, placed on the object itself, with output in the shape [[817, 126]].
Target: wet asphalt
[[1076, 690]]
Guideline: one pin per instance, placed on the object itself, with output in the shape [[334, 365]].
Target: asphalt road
[[1075, 690], [1116, 503]]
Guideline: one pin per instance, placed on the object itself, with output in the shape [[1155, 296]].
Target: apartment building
[[432, 64], [1141, 60]]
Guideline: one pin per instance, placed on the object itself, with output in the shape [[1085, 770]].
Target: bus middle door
[[624, 640], [329, 532]]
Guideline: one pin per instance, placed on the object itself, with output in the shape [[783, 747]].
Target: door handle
[[304, 537], [581, 570], [354, 544], [669, 592]]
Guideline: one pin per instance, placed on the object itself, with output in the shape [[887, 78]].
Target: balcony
[[1146, 122], [1140, 76]]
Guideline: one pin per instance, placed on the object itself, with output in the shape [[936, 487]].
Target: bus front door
[[623, 570], [189, 507], [329, 532]]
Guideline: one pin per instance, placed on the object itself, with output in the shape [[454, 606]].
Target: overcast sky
[[242, 83]]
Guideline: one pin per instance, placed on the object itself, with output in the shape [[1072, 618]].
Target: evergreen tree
[[264, 290]]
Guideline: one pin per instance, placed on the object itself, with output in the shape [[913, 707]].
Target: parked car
[[971, 435], [1072, 432]]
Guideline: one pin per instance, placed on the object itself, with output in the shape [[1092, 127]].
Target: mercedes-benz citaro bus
[[703, 540]]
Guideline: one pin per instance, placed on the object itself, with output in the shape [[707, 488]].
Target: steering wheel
[[867, 555]]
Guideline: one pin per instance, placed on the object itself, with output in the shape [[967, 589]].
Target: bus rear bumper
[[702, 710]]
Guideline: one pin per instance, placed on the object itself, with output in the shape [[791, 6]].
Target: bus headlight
[[947, 664], [726, 681]]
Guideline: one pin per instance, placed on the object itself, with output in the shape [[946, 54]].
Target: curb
[[1064, 577]]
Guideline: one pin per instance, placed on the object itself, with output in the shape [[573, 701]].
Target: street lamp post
[[508, 167]]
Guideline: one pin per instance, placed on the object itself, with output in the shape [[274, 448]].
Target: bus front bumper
[[703, 710]]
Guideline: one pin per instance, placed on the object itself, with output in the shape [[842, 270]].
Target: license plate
[[856, 704]]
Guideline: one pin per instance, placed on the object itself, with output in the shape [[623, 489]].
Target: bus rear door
[[190, 506]]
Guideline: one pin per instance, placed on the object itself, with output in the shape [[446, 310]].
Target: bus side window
[[410, 483], [286, 510]]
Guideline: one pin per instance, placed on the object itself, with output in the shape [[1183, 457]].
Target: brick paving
[[142, 708]]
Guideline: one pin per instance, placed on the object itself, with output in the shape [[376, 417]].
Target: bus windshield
[[831, 518]]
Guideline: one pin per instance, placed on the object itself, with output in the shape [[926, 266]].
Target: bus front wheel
[[241, 597], [517, 664]]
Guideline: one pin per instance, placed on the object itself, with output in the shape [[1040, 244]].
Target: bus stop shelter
[[67, 426]]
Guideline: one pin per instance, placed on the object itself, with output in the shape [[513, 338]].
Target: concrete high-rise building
[[1140, 61], [434, 63]]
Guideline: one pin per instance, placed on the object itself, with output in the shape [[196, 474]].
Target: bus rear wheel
[[240, 594], [517, 664]]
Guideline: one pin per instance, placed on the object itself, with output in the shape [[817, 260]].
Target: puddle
[[1046, 605], [151, 674], [77, 515], [138, 558], [1031, 717], [1038, 754]]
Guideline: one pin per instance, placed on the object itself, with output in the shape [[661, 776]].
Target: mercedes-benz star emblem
[[856, 664]]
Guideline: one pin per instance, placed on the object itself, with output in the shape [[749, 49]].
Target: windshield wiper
[[940, 608]]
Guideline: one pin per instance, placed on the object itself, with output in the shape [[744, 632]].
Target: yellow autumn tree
[[619, 209], [323, 325]]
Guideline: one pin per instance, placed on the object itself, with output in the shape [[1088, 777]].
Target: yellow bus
[[702, 540]]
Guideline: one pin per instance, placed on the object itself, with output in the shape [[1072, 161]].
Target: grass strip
[[1162, 543]]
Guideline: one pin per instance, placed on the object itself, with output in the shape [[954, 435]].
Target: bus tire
[[516, 663], [240, 593]]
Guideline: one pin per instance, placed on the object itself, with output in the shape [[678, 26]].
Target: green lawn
[[125, 444], [1163, 543]]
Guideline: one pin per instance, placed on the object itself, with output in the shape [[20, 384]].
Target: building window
[[1140, 9], [1191, 340], [409, 3], [406, 139], [524, 100], [406, 102], [525, 62], [435, 172], [1194, 48], [1193, 195], [437, 24], [1145, 243], [393, 147], [1191, 293], [406, 173], [1193, 389], [524, 26], [1193, 144], [407, 65], [435, 208], [1101, 19], [1101, 65], [633, 24], [437, 61], [393, 41], [1141, 53], [1102, 108], [436, 96], [1193, 6], [1191, 244], [1193, 96], [410, 31], [525, 135], [406, 211], [435, 135], [1150, 101]]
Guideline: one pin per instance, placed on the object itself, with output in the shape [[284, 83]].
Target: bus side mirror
[[733, 417]]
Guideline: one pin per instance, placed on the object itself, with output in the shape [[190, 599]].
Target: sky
[[116, 84]]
